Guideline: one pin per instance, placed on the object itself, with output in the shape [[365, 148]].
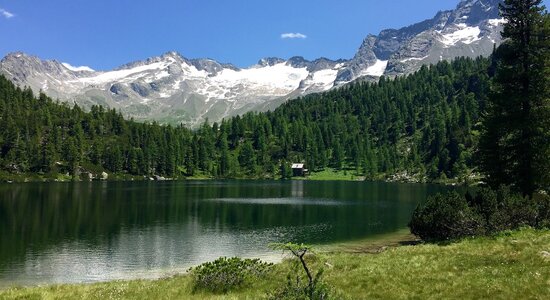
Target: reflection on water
[[84, 232], [280, 201]]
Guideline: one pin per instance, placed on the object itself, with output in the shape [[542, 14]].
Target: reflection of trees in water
[[38, 215]]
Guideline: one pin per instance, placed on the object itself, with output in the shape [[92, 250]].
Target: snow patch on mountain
[[377, 69], [191, 71], [77, 69], [320, 81], [125, 75], [465, 34], [496, 22], [325, 78], [161, 74], [414, 59], [280, 76]]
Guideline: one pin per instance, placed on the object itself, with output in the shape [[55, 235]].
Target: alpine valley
[[173, 89], [418, 168]]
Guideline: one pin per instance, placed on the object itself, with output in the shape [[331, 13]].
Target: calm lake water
[[86, 232]]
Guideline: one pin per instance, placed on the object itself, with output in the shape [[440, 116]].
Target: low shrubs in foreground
[[226, 274], [452, 215], [300, 287], [229, 274]]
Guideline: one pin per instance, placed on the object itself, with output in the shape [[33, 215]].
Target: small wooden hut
[[299, 170]]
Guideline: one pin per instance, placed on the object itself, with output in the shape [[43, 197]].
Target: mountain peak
[[17, 54], [472, 12], [298, 62], [175, 89], [172, 54], [270, 61]]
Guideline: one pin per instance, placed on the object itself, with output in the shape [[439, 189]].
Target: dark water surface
[[86, 232]]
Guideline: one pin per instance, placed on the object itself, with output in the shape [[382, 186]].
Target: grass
[[512, 265], [200, 176], [372, 244], [332, 174]]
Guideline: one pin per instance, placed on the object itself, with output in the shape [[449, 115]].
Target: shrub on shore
[[452, 215], [227, 274]]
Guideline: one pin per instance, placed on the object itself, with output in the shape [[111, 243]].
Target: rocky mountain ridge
[[173, 89]]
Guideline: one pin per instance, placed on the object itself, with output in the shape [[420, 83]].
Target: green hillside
[[420, 127]]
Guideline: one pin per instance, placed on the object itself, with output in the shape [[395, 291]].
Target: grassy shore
[[332, 175], [513, 265], [327, 174]]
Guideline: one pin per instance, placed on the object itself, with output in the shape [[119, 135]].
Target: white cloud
[[6, 14], [292, 35]]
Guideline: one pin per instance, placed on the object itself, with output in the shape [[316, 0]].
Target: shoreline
[[135, 275], [369, 245], [373, 244], [510, 265], [129, 178]]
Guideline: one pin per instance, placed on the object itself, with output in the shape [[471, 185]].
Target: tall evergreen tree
[[515, 144], [224, 156]]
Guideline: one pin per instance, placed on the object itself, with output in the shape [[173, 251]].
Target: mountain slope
[[417, 127], [470, 30], [173, 89]]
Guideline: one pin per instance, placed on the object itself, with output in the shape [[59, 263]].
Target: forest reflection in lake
[[94, 231]]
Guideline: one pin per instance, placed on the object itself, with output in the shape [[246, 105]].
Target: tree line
[[426, 124]]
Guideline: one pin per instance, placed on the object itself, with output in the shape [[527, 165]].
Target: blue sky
[[107, 33]]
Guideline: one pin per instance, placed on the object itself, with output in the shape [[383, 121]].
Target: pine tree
[[247, 158], [224, 155], [514, 147], [337, 155], [286, 170]]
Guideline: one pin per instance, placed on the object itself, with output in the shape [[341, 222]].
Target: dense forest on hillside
[[425, 124]]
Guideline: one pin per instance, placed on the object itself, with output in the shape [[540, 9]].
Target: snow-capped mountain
[[173, 89], [470, 30]]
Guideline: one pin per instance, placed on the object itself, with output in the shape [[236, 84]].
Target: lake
[[97, 231]]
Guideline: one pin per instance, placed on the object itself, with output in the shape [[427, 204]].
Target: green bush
[[451, 216], [307, 286], [543, 206], [226, 274], [502, 209], [444, 217], [298, 289]]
